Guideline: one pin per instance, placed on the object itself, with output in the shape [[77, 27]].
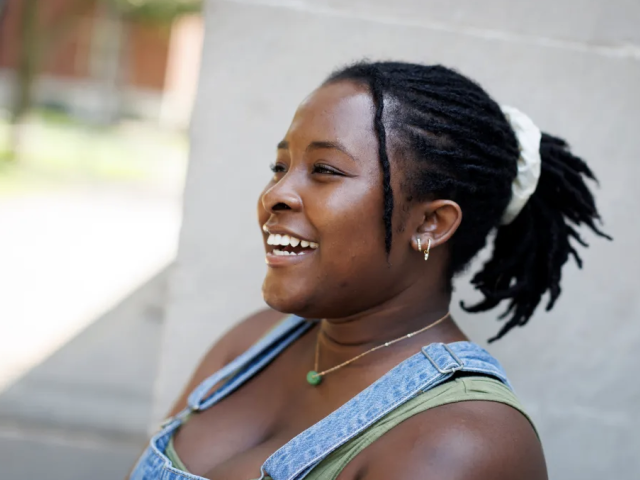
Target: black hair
[[462, 148]]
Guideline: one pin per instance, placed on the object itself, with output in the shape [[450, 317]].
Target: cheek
[[352, 229]]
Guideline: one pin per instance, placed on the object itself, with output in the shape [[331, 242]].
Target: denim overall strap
[[432, 366], [154, 464], [247, 364]]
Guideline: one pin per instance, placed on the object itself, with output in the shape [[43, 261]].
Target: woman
[[387, 183]]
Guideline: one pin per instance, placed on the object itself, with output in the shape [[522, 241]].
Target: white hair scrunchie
[[529, 162]]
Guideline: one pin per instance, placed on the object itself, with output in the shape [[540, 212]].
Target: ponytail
[[530, 252]]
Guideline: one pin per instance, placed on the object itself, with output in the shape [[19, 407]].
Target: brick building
[[97, 65]]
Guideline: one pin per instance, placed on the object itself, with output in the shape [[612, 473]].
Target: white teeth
[[281, 253], [285, 240]]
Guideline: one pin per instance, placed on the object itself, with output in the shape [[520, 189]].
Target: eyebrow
[[320, 145]]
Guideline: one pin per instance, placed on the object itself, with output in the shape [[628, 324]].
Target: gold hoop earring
[[426, 252]]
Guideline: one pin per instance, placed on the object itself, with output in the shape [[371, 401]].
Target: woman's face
[[327, 189]]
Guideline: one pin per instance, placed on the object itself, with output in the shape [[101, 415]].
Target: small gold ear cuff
[[426, 252]]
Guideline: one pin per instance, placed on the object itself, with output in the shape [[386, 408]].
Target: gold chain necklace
[[314, 377]]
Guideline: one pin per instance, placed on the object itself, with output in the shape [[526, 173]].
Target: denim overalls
[[433, 365]]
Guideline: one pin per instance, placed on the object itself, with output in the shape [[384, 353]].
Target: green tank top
[[460, 389]]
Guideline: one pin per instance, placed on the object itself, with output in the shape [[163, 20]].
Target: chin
[[287, 305], [286, 300]]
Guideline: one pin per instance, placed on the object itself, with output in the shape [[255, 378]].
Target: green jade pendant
[[313, 378]]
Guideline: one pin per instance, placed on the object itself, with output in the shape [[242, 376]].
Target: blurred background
[[119, 266], [95, 102]]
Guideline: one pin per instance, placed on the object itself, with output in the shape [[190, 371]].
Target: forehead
[[341, 111]]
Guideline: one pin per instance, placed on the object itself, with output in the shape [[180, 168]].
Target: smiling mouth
[[286, 245]]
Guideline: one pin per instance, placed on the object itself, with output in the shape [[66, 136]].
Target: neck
[[341, 338]]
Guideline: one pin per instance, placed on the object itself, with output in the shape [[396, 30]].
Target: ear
[[440, 220]]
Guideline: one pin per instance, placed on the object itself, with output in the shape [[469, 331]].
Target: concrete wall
[[573, 66]]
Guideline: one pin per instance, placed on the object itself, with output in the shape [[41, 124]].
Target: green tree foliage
[[38, 41], [156, 11]]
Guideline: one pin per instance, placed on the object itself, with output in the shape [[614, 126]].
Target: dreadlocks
[[463, 148]]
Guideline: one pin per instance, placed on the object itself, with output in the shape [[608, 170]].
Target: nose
[[283, 195]]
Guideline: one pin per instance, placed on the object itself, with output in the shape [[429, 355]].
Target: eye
[[276, 167], [325, 170]]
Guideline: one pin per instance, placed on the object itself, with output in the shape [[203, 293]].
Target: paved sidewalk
[[83, 285], [84, 412], [68, 256], [25, 457]]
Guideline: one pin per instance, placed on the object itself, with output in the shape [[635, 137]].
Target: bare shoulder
[[239, 338], [242, 335], [476, 440]]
